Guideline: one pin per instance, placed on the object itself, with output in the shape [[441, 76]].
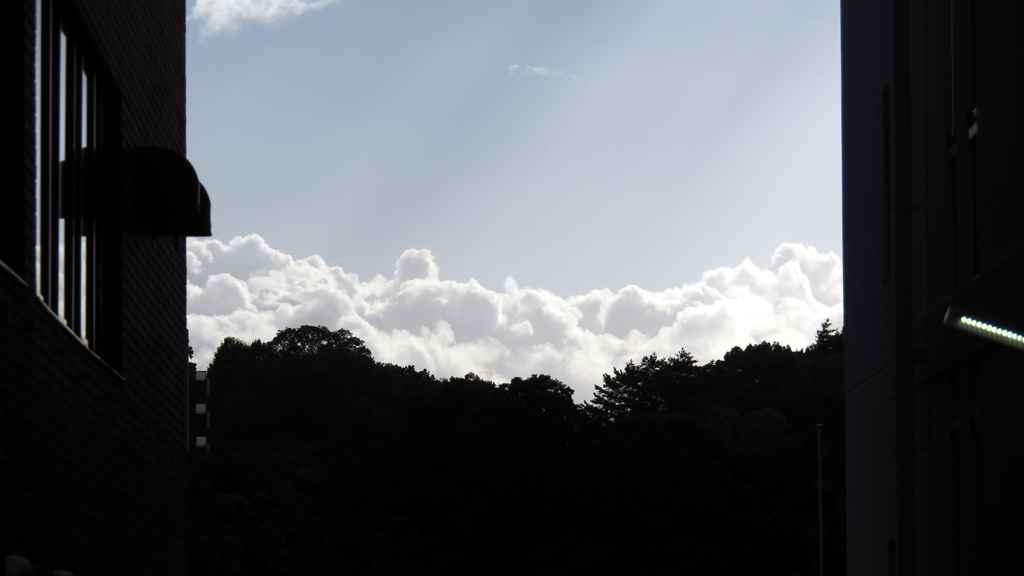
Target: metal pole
[[821, 523]]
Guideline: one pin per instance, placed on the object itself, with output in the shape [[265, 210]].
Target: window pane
[[84, 111], [63, 96], [60, 270], [84, 247]]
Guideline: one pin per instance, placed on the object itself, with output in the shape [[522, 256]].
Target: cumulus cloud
[[246, 289], [226, 15], [543, 71]]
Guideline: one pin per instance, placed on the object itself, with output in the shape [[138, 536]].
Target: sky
[[517, 187]]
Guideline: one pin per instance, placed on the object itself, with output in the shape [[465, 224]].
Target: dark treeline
[[325, 461]]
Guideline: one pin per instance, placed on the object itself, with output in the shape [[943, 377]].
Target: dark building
[[933, 201], [97, 198]]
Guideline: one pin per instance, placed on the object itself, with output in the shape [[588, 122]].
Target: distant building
[[199, 414], [933, 206], [96, 203]]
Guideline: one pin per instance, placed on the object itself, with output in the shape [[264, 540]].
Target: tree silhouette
[[654, 385], [543, 395], [329, 462], [316, 340], [828, 340]]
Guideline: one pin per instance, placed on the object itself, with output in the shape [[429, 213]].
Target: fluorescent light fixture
[[963, 321]]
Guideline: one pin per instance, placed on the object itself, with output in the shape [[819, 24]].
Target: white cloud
[[527, 70], [246, 289], [226, 15]]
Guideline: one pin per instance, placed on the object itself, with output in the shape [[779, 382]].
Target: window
[[200, 441], [200, 408], [74, 224]]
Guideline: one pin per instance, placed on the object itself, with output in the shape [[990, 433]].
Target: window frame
[[77, 232]]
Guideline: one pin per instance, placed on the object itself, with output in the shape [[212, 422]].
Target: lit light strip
[[960, 320]]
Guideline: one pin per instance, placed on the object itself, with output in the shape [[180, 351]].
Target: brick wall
[[91, 457]]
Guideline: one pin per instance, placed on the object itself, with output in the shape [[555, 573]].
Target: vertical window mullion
[[44, 203], [91, 213], [77, 200], [53, 216], [96, 248], [69, 184]]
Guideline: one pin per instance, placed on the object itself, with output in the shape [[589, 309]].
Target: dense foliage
[[324, 461]]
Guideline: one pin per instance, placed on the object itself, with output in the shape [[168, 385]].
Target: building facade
[[933, 197], [96, 203]]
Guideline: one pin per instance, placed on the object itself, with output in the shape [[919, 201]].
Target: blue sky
[[572, 146], [695, 134]]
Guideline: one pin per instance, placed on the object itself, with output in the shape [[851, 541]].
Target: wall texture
[[92, 449], [931, 182]]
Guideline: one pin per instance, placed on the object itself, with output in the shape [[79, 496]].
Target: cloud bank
[[543, 71], [226, 15], [246, 289]]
